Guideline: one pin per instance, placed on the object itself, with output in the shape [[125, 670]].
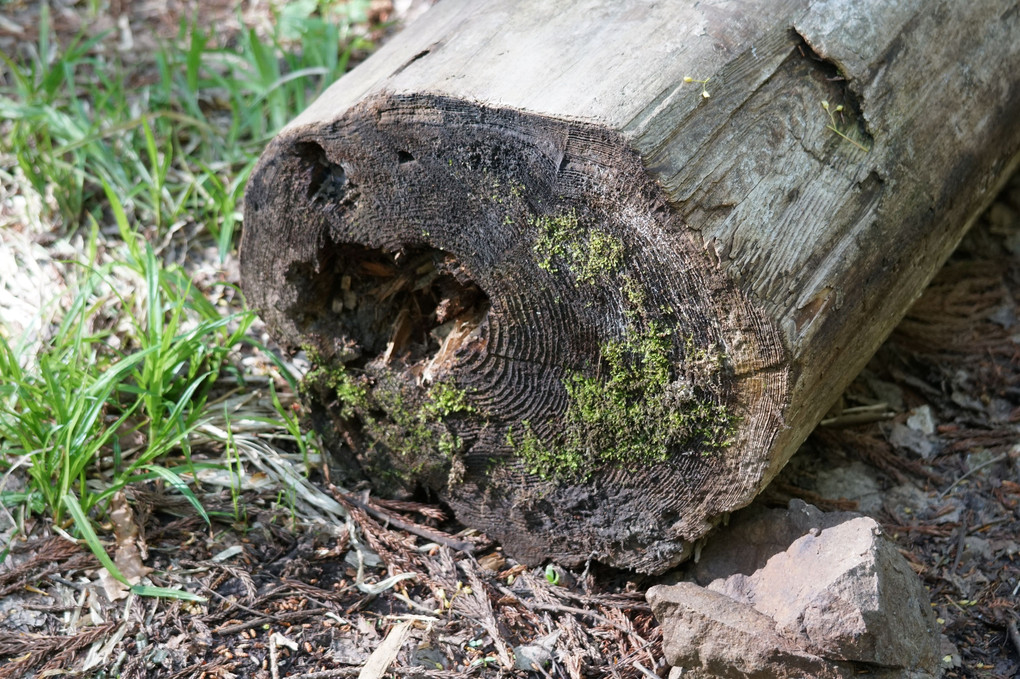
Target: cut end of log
[[543, 274], [504, 309]]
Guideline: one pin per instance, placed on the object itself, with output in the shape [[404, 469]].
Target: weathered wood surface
[[593, 309]]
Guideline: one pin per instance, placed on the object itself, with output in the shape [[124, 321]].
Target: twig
[[958, 606], [275, 641], [330, 674], [52, 608], [411, 603], [619, 602], [274, 663], [354, 671], [879, 412], [232, 603], [644, 670], [403, 506], [283, 617], [410, 527], [560, 608], [541, 670], [207, 668], [981, 466]]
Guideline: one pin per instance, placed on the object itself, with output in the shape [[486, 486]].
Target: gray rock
[[709, 634], [537, 654], [922, 419], [908, 438], [906, 502], [855, 481], [838, 600]]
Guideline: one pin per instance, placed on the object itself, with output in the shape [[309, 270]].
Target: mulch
[[286, 598], [292, 603]]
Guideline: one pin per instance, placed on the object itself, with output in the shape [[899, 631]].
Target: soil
[[926, 440], [939, 464]]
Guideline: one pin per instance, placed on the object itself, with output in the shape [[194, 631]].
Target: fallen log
[[592, 271]]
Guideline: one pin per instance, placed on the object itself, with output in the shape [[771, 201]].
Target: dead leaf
[[128, 556]]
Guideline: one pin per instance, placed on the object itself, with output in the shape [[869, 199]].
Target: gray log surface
[[593, 303]]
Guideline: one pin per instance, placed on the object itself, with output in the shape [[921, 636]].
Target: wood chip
[[384, 655]]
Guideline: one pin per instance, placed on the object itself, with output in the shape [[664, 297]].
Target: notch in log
[[592, 271]]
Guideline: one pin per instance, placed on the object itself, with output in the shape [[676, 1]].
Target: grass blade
[[166, 593], [91, 539], [180, 486]]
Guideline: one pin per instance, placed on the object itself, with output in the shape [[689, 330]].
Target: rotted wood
[[591, 271]]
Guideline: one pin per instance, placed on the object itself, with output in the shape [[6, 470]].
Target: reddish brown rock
[[837, 602]]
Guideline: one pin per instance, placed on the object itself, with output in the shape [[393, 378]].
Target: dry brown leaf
[[128, 555]]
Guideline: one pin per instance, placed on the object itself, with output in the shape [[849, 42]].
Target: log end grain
[[503, 309]]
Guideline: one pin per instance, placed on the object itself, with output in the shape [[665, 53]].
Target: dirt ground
[[926, 440], [939, 464]]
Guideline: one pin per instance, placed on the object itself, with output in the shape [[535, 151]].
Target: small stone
[[855, 481], [427, 655], [905, 502], [913, 439], [529, 657], [976, 549], [965, 401], [922, 419]]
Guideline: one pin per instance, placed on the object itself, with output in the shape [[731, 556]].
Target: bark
[[596, 304]]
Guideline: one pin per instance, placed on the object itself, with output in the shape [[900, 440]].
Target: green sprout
[[703, 83], [835, 128]]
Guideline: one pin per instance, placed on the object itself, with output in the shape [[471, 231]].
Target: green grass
[[68, 407], [142, 160], [179, 149]]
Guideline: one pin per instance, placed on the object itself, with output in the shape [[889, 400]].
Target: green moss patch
[[412, 425], [634, 413], [589, 255]]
